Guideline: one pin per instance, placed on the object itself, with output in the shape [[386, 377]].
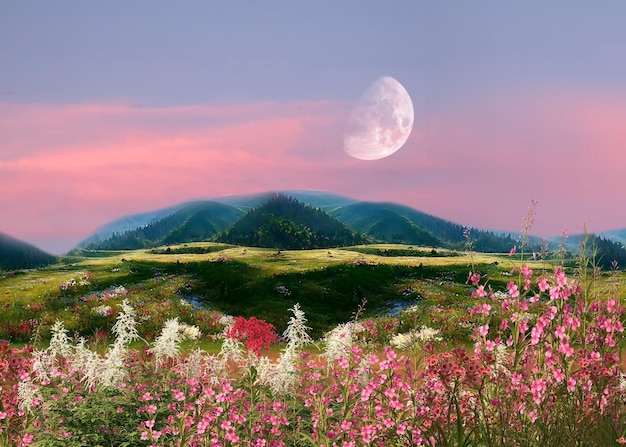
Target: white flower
[[168, 343], [501, 355], [190, 332], [27, 395], [88, 363], [231, 349], [192, 366], [125, 327], [415, 337], [45, 362], [226, 320], [339, 340], [59, 342], [297, 330], [284, 291]]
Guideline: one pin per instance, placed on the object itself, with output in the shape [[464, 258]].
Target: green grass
[[329, 285]]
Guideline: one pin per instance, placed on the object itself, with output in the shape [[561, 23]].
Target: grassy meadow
[[368, 345], [330, 285]]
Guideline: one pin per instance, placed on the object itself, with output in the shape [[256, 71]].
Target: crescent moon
[[381, 122]]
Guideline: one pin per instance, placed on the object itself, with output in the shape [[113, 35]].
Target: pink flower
[[543, 284], [537, 387], [566, 349], [535, 335], [485, 309], [513, 250], [560, 332], [480, 292], [511, 287], [342, 362], [178, 395], [560, 277], [474, 278], [483, 330], [368, 432], [611, 306], [558, 375]]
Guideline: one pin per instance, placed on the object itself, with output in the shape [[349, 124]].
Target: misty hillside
[[15, 254], [242, 202], [384, 225], [286, 223], [192, 222], [604, 250], [618, 236], [380, 222], [393, 223]]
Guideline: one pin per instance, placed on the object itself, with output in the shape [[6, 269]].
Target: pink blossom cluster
[[545, 369]]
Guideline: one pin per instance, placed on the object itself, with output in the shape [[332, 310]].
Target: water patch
[[196, 301]]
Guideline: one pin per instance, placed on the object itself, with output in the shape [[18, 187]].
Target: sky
[[115, 108]]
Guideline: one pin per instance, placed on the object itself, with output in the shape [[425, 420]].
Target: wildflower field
[[233, 346]]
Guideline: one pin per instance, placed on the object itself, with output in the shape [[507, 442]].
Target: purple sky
[[114, 108]]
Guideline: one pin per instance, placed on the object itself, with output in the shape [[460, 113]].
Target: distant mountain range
[[328, 220], [16, 254], [218, 219]]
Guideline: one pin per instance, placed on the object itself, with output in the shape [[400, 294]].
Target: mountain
[[393, 223], [243, 202], [618, 236], [127, 223], [380, 222], [190, 222], [286, 223], [384, 225], [15, 254], [603, 248]]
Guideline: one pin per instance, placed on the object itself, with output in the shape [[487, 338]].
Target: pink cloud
[[67, 169], [563, 149]]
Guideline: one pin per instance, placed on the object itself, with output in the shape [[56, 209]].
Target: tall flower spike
[[297, 330]]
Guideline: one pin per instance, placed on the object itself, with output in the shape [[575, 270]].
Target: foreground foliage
[[545, 369]]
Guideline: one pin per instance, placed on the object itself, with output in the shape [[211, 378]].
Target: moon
[[381, 122]]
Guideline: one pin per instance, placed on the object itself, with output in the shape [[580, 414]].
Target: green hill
[[618, 236], [15, 254], [390, 227], [602, 249], [381, 222], [392, 223], [196, 221], [286, 223]]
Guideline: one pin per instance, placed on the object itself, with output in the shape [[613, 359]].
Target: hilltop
[[284, 222], [16, 254]]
